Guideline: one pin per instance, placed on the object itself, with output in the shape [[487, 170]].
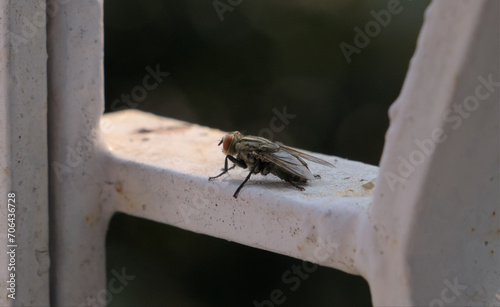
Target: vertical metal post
[[76, 102], [24, 235], [435, 231]]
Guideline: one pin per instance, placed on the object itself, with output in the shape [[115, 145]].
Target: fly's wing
[[306, 156], [282, 156], [288, 162], [256, 144]]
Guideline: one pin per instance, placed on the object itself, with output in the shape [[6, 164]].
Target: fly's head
[[229, 142]]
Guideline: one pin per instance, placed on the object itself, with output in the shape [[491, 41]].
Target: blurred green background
[[230, 74]]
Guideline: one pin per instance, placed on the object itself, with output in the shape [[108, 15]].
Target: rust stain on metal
[[91, 220], [369, 185], [363, 190], [118, 187], [144, 130], [164, 129]]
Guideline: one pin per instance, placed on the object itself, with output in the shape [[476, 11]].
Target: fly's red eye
[[227, 142]]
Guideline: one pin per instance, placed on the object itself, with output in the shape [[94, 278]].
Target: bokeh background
[[230, 74]]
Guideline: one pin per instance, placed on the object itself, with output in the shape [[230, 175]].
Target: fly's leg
[[317, 176], [295, 185], [237, 162], [224, 170], [240, 163], [246, 179]]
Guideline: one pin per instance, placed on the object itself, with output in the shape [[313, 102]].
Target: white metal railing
[[24, 271], [416, 228]]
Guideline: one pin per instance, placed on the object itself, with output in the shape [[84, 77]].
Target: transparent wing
[[306, 156], [257, 144], [288, 162]]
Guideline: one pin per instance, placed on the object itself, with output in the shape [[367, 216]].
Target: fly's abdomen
[[263, 168], [285, 175]]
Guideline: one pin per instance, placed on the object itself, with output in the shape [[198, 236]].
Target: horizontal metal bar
[[158, 168]]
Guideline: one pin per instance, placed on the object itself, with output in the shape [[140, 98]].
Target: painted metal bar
[[24, 232], [159, 169], [76, 101], [434, 235]]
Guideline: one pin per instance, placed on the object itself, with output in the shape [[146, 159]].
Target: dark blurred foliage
[[230, 75], [174, 267]]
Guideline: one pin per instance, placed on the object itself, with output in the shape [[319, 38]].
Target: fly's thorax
[[248, 157], [229, 143]]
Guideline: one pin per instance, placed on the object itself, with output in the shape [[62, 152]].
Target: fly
[[263, 156]]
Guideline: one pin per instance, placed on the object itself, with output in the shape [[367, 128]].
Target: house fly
[[263, 156]]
